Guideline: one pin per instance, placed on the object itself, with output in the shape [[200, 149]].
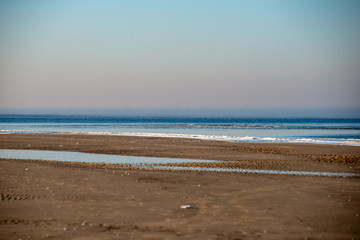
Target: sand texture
[[68, 201]]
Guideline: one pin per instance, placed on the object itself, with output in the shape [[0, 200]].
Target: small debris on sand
[[186, 206]]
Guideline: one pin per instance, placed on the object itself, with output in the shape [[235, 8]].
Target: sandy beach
[[86, 201]]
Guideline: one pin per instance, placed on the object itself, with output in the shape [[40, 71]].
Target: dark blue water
[[311, 130]]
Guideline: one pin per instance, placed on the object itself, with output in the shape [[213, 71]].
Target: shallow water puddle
[[259, 171], [145, 162], [89, 157]]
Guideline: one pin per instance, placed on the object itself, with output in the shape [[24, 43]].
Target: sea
[[340, 131]]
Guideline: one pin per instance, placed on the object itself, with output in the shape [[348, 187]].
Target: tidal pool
[[146, 162], [89, 157]]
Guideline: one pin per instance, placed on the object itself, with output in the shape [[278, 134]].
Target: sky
[[186, 54]]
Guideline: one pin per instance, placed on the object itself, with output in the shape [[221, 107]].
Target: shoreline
[[41, 199], [247, 139]]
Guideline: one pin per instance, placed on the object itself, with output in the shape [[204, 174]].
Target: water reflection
[[146, 162], [89, 157]]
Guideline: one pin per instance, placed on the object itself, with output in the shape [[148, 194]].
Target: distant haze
[[185, 54]]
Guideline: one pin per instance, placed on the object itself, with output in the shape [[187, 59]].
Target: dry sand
[[62, 201]]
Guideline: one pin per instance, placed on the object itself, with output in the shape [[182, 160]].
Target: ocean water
[[344, 131]]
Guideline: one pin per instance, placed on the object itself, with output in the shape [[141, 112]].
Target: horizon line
[[191, 112]]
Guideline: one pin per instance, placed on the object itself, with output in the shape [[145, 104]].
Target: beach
[[195, 120], [41, 199]]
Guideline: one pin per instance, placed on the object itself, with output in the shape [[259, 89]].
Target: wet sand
[[86, 201]]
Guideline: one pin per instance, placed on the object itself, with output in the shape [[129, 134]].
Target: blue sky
[[180, 54]]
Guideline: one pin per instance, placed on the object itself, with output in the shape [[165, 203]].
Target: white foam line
[[351, 142]]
